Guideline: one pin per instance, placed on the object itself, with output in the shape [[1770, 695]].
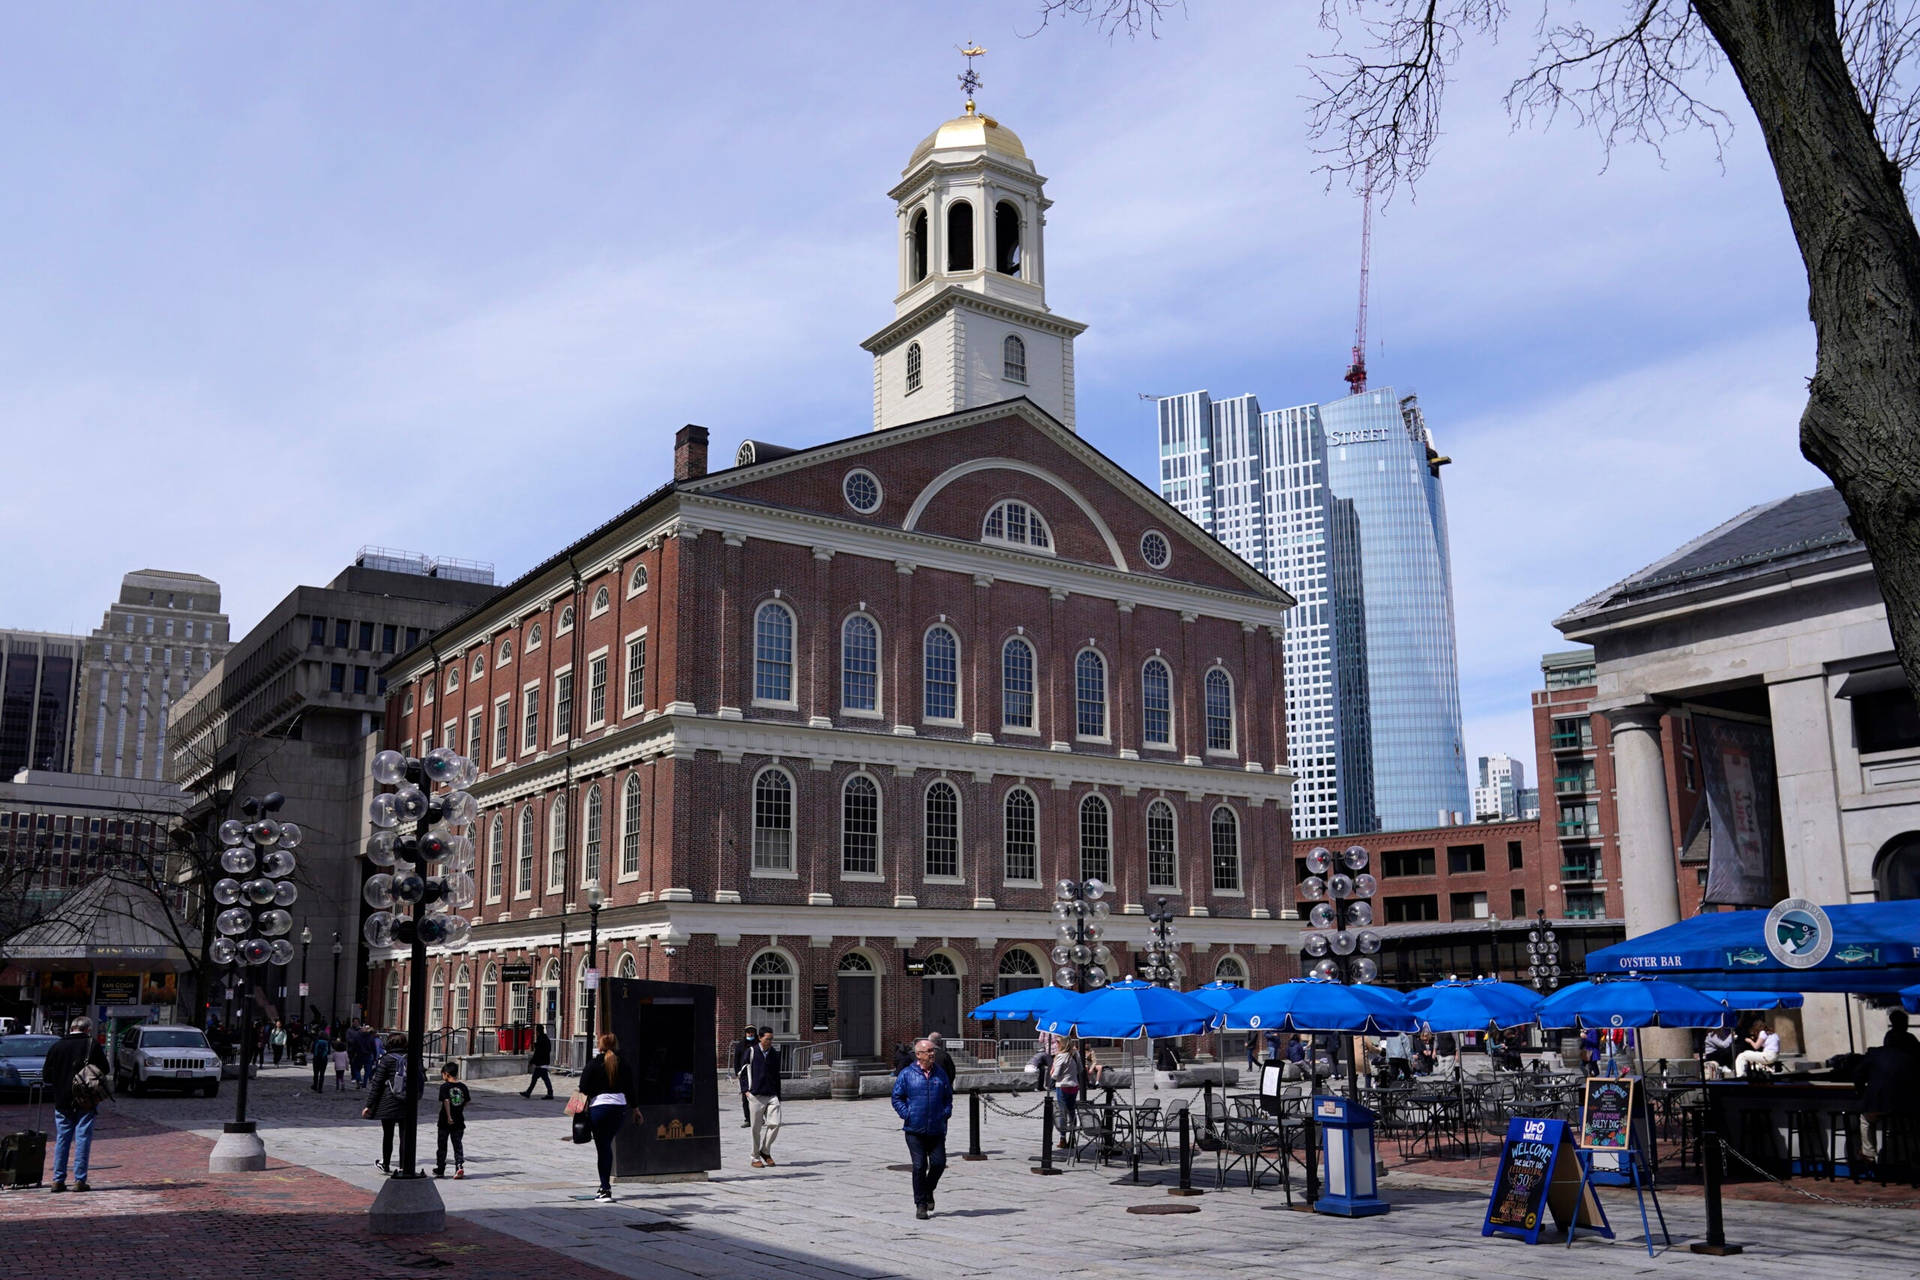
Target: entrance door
[[859, 1032], [552, 1014]]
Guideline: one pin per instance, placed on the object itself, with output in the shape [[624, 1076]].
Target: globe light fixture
[[1081, 913]]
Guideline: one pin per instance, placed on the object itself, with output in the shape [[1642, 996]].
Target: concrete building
[[39, 689], [296, 706], [163, 633], [827, 726], [1501, 789], [1756, 660]]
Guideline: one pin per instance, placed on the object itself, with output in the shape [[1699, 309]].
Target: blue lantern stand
[[1348, 1187]]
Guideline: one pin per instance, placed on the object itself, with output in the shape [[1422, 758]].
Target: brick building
[[826, 727]]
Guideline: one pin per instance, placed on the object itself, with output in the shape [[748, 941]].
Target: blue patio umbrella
[[1910, 998], [1474, 1006], [1630, 1002], [1318, 1004], [1124, 1010], [1742, 1001], [1219, 995], [1017, 1006]]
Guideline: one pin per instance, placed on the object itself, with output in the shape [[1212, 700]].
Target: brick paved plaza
[[830, 1209]]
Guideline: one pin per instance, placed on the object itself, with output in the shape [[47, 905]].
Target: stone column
[[1649, 886], [1803, 756]]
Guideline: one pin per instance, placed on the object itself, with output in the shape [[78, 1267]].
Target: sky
[[277, 282]]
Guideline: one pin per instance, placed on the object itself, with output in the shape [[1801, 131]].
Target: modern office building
[[163, 633], [39, 684], [1500, 793], [295, 706], [1341, 504]]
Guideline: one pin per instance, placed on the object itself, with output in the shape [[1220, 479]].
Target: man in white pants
[[761, 1073], [1765, 1056]]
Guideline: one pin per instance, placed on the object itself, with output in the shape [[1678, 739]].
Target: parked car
[[21, 1058], [169, 1056]]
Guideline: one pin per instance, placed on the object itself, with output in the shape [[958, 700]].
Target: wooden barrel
[[843, 1083]]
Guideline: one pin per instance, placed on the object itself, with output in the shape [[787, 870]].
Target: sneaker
[[439, 1173], [920, 1211], [459, 1172], [767, 1158], [758, 1164], [603, 1195], [58, 1187], [382, 1166], [82, 1185]]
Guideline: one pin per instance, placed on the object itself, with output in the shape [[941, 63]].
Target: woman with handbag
[[607, 1084], [389, 1100]]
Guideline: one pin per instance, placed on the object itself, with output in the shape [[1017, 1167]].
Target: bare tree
[[1833, 88]]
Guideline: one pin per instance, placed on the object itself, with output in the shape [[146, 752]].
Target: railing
[[1573, 785], [1578, 873], [1570, 741], [799, 1059], [1577, 829]]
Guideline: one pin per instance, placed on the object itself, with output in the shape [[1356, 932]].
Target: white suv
[[176, 1057]]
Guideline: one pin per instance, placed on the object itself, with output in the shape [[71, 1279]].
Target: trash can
[[503, 1038], [1346, 1162], [843, 1083]]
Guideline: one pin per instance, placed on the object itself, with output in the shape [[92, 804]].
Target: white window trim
[[1052, 547], [959, 834], [1106, 697], [556, 809], [479, 665], [502, 709], [602, 652], [880, 831], [627, 708], [532, 879], [555, 738], [592, 790], [533, 687], [1239, 852], [638, 570], [958, 720], [619, 852], [534, 637], [1172, 744], [563, 621], [503, 652], [1039, 856], [1233, 715], [793, 662], [406, 704], [1000, 689], [792, 871], [453, 677], [477, 716], [878, 488], [879, 668], [596, 607], [1145, 857], [450, 734]]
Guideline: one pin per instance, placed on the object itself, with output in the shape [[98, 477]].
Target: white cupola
[[971, 324]]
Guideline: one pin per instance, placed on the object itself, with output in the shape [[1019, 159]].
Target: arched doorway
[[550, 999], [940, 996], [1019, 971], [1896, 868], [858, 1000]]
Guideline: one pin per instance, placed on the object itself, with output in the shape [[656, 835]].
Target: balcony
[[1574, 784], [1578, 873], [1578, 829]]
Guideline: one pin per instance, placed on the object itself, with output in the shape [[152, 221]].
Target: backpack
[[89, 1087], [397, 1082]]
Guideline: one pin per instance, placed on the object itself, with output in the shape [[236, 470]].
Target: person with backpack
[[388, 1099], [322, 1055], [608, 1085], [77, 1071], [451, 1121]]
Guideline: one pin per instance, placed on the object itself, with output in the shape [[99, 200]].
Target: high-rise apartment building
[[39, 674], [1341, 504], [1499, 795], [163, 633]]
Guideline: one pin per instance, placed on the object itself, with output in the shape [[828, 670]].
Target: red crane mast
[[1356, 375]]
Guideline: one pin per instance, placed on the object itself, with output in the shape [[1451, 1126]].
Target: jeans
[[319, 1074], [538, 1075], [71, 1134], [605, 1123], [450, 1133], [1068, 1099], [929, 1153]]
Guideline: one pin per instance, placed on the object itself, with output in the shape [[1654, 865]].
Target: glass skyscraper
[[1341, 505]]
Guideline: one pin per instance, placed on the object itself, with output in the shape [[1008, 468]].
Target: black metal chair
[[1259, 1145]]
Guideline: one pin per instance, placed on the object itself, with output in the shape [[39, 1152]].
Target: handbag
[[582, 1130], [577, 1105]]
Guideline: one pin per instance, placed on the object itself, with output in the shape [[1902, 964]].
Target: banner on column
[[1736, 765]]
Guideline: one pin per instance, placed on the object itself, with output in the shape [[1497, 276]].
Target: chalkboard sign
[[1540, 1176], [1607, 1113]]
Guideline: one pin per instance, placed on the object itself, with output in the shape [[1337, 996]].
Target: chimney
[[690, 452]]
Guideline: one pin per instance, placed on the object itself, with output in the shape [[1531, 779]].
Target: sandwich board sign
[[1541, 1175]]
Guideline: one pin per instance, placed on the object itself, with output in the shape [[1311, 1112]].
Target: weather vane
[[971, 80]]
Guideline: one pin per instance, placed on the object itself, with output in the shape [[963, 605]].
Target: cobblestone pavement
[[833, 1208]]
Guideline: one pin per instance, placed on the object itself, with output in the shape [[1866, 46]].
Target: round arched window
[[862, 491], [1154, 549]]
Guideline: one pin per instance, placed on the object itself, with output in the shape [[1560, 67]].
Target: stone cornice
[[955, 296]]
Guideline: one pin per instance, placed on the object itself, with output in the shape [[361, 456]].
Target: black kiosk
[[666, 1031]]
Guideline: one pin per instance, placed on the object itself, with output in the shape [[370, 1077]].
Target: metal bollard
[[1716, 1241], [1045, 1166], [1186, 1187], [1312, 1160], [973, 1129]]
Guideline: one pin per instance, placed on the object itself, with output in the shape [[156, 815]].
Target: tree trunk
[[1856, 234]]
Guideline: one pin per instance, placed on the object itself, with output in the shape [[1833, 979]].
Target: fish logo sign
[[1798, 933], [1751, 956]]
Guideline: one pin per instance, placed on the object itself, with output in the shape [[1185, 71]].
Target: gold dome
[[971, 131]]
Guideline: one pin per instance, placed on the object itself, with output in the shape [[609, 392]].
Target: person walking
[[538, 1062], [923, 1099], [742, 1050], [451, 1122], [322, 1055], [1066, 1076], [388, 1099], [77, 1071], [608, 1084], [761, 1074], [340, 1065], [278, 1039], [942, 1060]]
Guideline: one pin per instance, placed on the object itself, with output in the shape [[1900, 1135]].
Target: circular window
[[1154, 549], [862, 491]]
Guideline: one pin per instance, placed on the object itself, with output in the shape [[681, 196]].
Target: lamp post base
[[407, 1207], [238, 1150]]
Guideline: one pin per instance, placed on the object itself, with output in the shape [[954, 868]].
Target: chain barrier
[[1009, 1112], [1727, 1149]]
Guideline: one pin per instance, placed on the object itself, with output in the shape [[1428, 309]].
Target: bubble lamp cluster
[[1340, 941], [257, 858], [423, 849], [1543, 954], [1082, 962], [1163, 940]]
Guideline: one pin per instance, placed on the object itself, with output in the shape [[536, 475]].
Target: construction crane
[[1356, 375]]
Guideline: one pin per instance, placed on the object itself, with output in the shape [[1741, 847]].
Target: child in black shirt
[[452, 1121]]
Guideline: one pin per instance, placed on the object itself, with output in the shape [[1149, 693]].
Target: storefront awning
[[1873, 949], [106, 924]]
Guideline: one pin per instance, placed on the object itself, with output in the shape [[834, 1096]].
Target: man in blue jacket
[[923, 1099]]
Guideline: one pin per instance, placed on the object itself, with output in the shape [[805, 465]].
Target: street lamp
[[1340, 941], [1162, 940], [306, 941], [408, 1203], [1543, 953], [1080, 958], [1493, 945], [592, 976], [256, 892], [333, 990]]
